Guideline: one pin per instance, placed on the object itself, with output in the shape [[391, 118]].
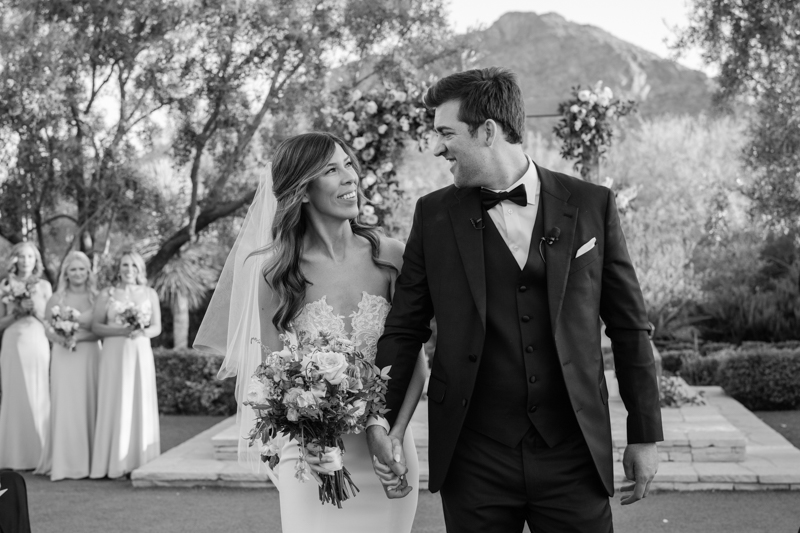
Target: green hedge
[[763, 380], [187, 384], [672, 360], [701, 370]]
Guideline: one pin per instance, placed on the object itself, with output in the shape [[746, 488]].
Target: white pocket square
[[586, 247]]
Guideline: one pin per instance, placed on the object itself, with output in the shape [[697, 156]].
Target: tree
[[89, 87], [756, 45], [80, 84], [184, 284], [268, 60]]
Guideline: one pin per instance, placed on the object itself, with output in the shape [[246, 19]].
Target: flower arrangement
[[134, 317], [586, 126], [15, 291], [377, 124], [64, 321], [315, 393]]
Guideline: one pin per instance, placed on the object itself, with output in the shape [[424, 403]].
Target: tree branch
[[171, 246]]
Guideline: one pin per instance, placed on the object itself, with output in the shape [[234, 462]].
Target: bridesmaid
[[73, 376], [24, 363], [127, 432]]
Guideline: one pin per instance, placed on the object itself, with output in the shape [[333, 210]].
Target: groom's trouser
[[491, 487]]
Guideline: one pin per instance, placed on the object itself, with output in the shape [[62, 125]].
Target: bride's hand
[[316, 458], [388, 461]]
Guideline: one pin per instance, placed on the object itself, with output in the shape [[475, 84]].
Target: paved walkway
[[768, 461]]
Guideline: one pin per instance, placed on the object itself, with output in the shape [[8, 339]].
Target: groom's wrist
[[378, 421]]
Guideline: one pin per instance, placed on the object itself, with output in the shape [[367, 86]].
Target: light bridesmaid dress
[[127, 432], [73, 391], [25, 404]]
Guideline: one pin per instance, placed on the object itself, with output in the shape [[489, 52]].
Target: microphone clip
[[550, 239]]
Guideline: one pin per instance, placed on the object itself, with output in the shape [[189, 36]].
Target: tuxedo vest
[[519, 380]]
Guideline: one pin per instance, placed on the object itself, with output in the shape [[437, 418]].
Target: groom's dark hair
[[485, 93]]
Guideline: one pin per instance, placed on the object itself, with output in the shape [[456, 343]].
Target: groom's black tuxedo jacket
[[444, 274]]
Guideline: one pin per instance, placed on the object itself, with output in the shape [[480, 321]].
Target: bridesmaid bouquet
[[315, 393], [15, 291], [65, 323], [133, 316]]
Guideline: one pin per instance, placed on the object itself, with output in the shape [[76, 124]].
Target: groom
[[517, 263]]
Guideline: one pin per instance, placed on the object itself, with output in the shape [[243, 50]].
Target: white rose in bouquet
[[583, 95], [349, 116], [331, 365], [371, 108], [359, 143]]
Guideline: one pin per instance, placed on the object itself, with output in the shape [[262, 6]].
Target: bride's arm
[[412, 397], [394, 254]]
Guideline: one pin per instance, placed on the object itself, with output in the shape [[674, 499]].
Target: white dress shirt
[[515, 222]]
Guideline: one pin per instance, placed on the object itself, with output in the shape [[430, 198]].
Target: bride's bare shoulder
[[392, 251]]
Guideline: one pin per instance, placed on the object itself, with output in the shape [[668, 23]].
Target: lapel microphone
[[551, 238], [477, 223]]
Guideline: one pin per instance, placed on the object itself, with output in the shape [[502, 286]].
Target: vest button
[[473, 357], [533, 379], [464, 402], [529, 349], [523, 288], [525, 318], [533, 409]]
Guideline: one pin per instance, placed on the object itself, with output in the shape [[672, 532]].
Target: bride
[[302, 264]]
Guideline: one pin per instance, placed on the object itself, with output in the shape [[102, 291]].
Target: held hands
[[27, 305], [388, 461], [640, 462]]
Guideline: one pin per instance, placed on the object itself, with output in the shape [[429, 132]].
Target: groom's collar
[[550, 184]]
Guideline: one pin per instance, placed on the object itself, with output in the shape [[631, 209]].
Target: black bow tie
[[516, 195]]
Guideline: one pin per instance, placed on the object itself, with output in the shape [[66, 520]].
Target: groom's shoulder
[[438, 196], [578, 188]]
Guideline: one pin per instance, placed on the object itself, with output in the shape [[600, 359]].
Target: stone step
[[699, 434], [226, 442], [770, 463]]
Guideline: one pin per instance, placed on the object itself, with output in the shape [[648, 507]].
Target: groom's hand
[[388, 461], [640, 462]]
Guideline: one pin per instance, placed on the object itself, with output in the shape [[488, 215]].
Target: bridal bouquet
[[15, 291], [315, 393], [133, 316], [64, 322]]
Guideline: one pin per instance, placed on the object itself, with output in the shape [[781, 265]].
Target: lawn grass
[[787, 423]]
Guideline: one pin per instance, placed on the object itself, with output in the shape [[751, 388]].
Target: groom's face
[[464, 151]]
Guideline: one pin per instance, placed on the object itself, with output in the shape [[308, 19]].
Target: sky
[[645, 23]]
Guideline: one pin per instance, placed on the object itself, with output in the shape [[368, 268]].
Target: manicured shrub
[[698, 370], [712, 347], [672, 360], [763, 379], [187, 384]]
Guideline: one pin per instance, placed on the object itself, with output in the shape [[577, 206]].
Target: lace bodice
[[366, 323]]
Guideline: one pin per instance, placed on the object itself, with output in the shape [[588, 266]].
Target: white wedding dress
[[370, 510]]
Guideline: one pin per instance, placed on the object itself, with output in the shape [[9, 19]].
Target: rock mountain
[[551, 54]]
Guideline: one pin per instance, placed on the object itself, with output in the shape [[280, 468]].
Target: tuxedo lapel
[[558, 213], [465, 214]]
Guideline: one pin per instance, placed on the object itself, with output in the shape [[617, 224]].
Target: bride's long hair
[[298, 161]]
